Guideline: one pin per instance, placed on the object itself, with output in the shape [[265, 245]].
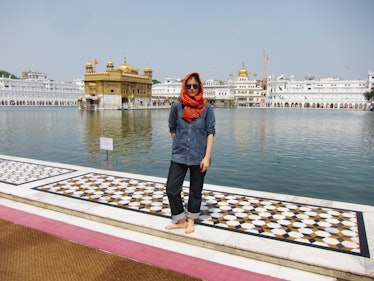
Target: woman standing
[[192, 128]]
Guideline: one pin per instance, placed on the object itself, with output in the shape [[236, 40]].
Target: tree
[[6, 74], [369, 95], [156, 81]]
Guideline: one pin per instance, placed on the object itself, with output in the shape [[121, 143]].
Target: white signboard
[[106, 143]]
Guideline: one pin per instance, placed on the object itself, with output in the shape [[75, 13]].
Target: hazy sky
[[213, 37]]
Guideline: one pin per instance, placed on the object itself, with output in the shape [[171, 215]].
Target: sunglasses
[[189, 86]]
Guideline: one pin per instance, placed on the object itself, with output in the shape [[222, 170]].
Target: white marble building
[[330, 92], [35, 89]]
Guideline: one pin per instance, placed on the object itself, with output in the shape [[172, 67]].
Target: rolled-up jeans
[[174, 185]]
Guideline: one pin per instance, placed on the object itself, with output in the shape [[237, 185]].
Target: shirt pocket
[[199, 124]]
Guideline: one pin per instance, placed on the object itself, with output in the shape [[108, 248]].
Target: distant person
[[192, 128]]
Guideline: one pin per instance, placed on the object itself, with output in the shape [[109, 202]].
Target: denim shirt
[[189, 144]]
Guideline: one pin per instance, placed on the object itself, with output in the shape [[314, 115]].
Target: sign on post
[[106, 144]]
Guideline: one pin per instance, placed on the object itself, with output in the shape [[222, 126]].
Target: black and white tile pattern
[[16, 172], [326, 228]]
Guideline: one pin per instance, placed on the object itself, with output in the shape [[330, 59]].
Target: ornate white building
[[167, 92], [330, 92], [219, 93], [248, 92], [35, 89]]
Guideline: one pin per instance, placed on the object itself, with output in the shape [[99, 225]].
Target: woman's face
[[192, 87]]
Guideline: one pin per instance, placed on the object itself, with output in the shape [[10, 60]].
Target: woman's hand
[[204, 164]]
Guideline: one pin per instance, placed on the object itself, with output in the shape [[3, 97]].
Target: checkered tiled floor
[[326, 228], [15, 172]]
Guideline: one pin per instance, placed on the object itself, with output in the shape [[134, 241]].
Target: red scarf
[[193, 106]]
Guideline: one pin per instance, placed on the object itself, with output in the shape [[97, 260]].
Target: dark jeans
[[177, 173]]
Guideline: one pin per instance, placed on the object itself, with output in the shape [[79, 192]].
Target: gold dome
[[128, 68], [109, 64], [148, 71], [243, 72], [89, 65]]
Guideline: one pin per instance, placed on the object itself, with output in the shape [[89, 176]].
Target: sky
[[213, 37]]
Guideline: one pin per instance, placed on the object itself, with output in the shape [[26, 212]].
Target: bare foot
[[190, 226], [179, 225]]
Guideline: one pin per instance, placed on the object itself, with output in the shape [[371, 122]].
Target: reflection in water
[[326, 154], [130, 130]]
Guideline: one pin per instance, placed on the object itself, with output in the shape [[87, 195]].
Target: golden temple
[[117, 87]]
